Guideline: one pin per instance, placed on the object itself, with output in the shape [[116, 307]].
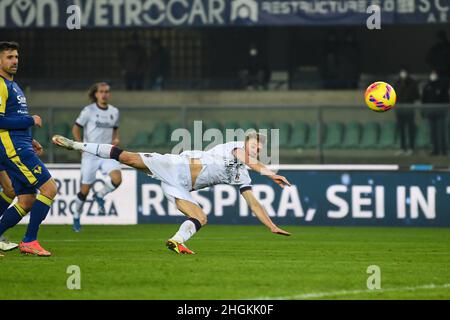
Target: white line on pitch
[[351, 292]]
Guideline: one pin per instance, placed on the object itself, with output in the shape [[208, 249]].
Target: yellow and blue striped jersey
[[15, 121]]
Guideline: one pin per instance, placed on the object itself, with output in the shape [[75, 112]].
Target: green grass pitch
[[232, 262]]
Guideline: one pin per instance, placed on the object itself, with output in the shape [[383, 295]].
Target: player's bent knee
[[49, 189]]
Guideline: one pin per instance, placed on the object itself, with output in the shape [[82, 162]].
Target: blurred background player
[[99, 123], [407, 92], [195, 170], [27, 172], [436, 92]]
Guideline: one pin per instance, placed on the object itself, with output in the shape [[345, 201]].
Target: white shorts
[[91, 164], [174, 173]]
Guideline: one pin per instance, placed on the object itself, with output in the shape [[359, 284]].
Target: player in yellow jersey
[[27, 172]]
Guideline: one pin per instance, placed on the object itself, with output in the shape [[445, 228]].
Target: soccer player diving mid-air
[[194, 170]]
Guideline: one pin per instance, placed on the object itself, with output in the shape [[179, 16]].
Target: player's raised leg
[[105, 151], [197, 219]]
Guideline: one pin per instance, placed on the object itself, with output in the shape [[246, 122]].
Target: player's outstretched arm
[[259, 167], [261, 214]]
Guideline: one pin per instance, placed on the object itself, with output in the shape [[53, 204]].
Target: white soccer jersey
[[220, 166], [98, 124]]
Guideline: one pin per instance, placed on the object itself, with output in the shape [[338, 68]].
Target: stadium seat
[[211, 125], [370, 135], [334, 137], [423, 138], [141, 141], [246, 125], [352, 135], [41, 135], [230, 125], [62, 129], [313, 138], [266, 125], [388, 136], [159, 135], [285, 133], [299, 135]]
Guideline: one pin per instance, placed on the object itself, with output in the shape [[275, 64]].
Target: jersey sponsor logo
[[100, 124], [21, 100]]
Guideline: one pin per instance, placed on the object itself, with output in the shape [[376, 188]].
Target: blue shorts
[[26, 171]]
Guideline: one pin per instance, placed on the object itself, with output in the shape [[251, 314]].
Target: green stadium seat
[[172, 127], [285, 133], [266, 126], [299, 135], [247, 125], [230, 125], [63, 129], [388, 136], [352, 135], [211, 125], [141, 141], [312, 140], [370, 135], [334, 137], [160, 134], [41, 135], [423, 138]]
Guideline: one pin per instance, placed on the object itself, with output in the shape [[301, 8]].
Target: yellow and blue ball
[[380, 96]]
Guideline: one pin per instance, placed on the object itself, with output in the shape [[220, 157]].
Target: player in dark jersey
[[27, 172]]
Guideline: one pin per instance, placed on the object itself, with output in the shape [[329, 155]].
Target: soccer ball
[[380, 96]]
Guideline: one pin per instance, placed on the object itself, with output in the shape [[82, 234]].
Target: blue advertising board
[[325, 198], [200, 13]]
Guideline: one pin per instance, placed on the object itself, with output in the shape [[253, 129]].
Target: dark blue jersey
[[25, 169]]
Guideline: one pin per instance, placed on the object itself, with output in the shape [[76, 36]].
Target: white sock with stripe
[[99, 150], [186, 231], [108, 188]]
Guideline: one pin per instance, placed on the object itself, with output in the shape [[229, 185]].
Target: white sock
[[108, 187], [78, 208], [99, 150], [186, 231]]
